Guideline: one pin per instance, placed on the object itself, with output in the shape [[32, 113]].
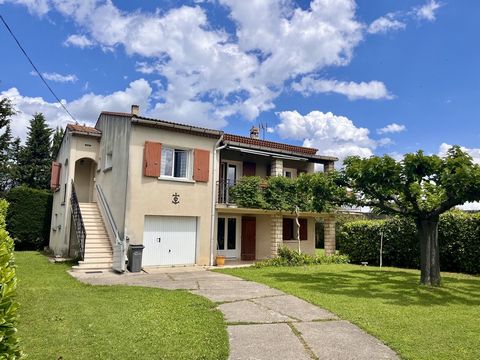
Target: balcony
[[223, 191]]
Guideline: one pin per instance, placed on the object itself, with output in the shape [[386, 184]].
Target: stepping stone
[[238, 293], [248, 312], [295, 308], [343, 341], [265, 342]]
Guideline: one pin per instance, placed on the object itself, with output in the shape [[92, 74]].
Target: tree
[[56, 142], [6, 112], [35, 156], [420, 187]]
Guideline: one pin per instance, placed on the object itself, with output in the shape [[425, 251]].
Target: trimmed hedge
[[459, 241], [28, 217], [9, 344], [290, 257]]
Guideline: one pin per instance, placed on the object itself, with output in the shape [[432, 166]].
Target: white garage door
[[169, 240]]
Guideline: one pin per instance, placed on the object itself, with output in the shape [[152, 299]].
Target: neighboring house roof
[[269, 144], [84, 130]]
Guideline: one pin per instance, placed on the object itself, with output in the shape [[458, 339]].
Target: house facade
[[132, 180]]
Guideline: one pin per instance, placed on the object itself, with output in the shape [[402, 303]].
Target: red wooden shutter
[[303, 229], [55, 176], [201, 165], [152, 154], [287, 229], [249, 168]]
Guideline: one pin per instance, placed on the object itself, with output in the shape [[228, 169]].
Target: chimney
[[254, 132], [135, 110]]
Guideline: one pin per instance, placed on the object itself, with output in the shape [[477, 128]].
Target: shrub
[[247, 192], [459, 242], [9, 344], [28, 217], [290, 257]]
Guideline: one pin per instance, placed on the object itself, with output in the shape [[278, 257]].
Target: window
[[108, 160], [290, 173], [175, 163], [290, 229]]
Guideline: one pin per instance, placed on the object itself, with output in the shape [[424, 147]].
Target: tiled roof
[[87, 130], [270, 144]]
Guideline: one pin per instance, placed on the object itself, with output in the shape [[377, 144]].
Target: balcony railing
[[223, 191], [78, 222]]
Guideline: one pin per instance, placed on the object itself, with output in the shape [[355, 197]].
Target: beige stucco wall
[[113, 180], [263, 244], [153, 196], [73, 148]]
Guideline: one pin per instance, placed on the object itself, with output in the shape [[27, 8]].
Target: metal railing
[[118, 245], [78, 221], [223, 191]]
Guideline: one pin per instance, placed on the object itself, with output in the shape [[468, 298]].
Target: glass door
[[228, 237]]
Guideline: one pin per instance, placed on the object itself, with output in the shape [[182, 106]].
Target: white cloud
[[85, 109], [473, 152], [392, 128], [208, 69], [385, 24], [372, 90], [428, 11], [80, 41], [330, 134], [57, 77]]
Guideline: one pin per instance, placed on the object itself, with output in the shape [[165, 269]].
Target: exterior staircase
[[98, 250]]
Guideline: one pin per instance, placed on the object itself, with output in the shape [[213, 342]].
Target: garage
[[169, 240]]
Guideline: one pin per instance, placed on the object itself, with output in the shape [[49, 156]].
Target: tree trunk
[[427, 230], [298, 228]]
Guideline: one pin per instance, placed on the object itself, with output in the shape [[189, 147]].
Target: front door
[[228, 236], [249, 237]]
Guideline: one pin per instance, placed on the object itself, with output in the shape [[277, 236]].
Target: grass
[[61, 317], [416, 321]]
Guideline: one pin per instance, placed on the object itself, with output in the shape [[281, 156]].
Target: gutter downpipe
[[214, 197]]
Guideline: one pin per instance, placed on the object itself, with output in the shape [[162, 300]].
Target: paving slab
[[294, 307], [248, 312], [265, 342], [236, 294], [341, 340], [224, 284]]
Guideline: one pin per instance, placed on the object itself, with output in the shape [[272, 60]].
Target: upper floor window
[[108, 160], [290, 173], [175, 163]]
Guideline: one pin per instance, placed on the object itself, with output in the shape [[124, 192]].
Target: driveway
[[263, 323]]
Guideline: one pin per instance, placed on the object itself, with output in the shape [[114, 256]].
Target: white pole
[[381, 248]]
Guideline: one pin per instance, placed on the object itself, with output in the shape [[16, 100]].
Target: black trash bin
[[135, 258]]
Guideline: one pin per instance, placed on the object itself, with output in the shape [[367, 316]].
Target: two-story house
[[132, 180]]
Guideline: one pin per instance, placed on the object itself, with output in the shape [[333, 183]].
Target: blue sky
[[365, 77]]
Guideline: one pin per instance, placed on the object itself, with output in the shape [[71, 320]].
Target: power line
[[35, 68]]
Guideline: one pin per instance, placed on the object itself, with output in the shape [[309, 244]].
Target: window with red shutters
[[201, 165], [151, 159], [303, 229], [55, 176], [288, 229]]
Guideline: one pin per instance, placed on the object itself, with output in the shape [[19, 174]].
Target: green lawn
[[61, 317], [417, 322]]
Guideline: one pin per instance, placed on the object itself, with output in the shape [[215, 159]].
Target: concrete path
[[263, 323]]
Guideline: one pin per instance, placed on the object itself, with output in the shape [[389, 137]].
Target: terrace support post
[[276, 237], [329, 235], [277, 167], [328, 166]]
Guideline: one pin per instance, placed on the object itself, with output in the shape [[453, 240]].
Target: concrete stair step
[[94, 262], [98, 246], [91, 268], [95, 254], [98, 260]]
